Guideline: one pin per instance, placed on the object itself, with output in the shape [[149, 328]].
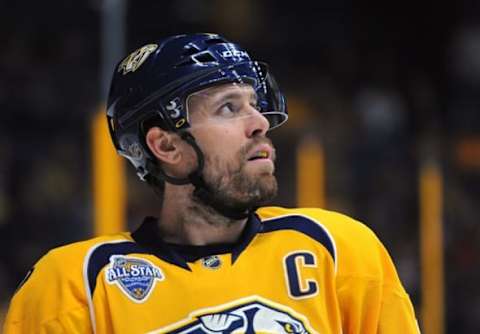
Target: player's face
[[231, 132]]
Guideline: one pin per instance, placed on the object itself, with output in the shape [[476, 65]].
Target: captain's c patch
[[134, 276]]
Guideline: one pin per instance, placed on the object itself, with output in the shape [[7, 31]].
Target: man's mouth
[[259, 155], [262, 151]]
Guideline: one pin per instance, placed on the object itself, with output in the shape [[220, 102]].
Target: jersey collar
[[148, 236]]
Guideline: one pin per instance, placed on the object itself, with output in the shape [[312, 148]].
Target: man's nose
[[257, 124]]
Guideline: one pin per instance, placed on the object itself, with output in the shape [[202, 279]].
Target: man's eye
[[227, 108]]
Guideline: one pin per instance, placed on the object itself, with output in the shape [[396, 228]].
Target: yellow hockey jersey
[[291, 271]]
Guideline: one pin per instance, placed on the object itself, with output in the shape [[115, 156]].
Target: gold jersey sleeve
[[292, 271], [52, 297], [370, 295]]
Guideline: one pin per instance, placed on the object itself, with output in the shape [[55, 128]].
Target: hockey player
[[192, 114]]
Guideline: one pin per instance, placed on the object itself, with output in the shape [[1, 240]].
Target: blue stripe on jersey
[[303, 225], [100, 257]]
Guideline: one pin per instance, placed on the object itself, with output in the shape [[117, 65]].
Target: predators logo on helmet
[[136, 58]]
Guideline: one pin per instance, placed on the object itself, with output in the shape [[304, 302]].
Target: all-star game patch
[[135, 277]]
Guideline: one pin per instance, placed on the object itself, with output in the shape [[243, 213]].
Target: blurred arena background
[[385, 96]]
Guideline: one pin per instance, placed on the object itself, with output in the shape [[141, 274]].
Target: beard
[[231, 185]]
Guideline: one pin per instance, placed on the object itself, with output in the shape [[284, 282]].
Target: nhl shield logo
[[212, 262], [135, 277]]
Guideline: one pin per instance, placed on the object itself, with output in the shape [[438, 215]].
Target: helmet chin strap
[[202, 190]]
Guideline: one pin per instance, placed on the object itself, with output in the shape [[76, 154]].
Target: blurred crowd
[[382, 86]]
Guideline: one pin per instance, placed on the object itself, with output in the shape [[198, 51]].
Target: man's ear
[[163, 145]]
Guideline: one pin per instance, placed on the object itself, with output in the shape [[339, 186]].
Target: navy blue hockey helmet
[[154, 82]]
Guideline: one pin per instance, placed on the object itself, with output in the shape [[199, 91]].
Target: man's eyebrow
[[233, 95]]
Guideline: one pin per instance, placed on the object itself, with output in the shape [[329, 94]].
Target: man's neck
[[186, 221]]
